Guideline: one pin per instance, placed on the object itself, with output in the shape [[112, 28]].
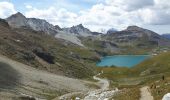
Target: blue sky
[[73, 5], [94, 14]]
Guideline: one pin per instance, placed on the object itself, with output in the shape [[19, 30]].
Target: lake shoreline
[[122, 60]]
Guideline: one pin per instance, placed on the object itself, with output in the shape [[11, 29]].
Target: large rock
[[166, 96], [46, 56]]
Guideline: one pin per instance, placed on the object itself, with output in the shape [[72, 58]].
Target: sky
[[96, 15]]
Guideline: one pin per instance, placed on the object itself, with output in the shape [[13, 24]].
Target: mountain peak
[[80, 25], [112, 30], [17, 20], [133, 27], [18, 14]]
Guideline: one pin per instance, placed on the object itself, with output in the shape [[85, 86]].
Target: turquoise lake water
[[122, 60]]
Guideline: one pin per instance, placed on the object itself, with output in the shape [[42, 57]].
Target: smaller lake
[[122, 60]]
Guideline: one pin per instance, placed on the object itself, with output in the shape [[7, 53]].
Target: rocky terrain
[[21, 81]]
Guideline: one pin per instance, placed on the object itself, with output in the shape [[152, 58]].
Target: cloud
[[104, 14], [130, 5], [28, 6], [155, 16], [122, 13], [6, 9], [55, 16]]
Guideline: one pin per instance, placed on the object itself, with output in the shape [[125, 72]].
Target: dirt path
[[101, 94], [98, 94], [103, 82], [145, 93]]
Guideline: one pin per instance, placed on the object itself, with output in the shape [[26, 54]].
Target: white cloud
[[28, 6], [121, 13], [6, 9], [155, 16], [111, 13], [130, 5], [60, 17], [162, 3]]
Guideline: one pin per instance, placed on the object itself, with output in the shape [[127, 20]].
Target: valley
[[41, 61]]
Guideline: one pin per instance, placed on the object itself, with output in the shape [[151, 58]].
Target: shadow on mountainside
[[9, 77]]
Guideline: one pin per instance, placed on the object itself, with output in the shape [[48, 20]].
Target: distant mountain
[[166, 35], [112, 30], [137, 36], [80, 30]]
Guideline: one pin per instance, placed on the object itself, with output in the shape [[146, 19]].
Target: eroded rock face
[[46, 56], [80, 30], [18, 20]]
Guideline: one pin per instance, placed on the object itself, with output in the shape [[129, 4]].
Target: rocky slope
[[22, 81]]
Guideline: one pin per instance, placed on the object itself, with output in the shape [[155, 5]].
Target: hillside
[[44, 51], [19, 82], [157, 65]]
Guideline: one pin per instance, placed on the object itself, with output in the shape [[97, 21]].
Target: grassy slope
[[128, 94], [156, 65]]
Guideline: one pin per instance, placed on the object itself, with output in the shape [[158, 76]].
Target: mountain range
[[74, 33]]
